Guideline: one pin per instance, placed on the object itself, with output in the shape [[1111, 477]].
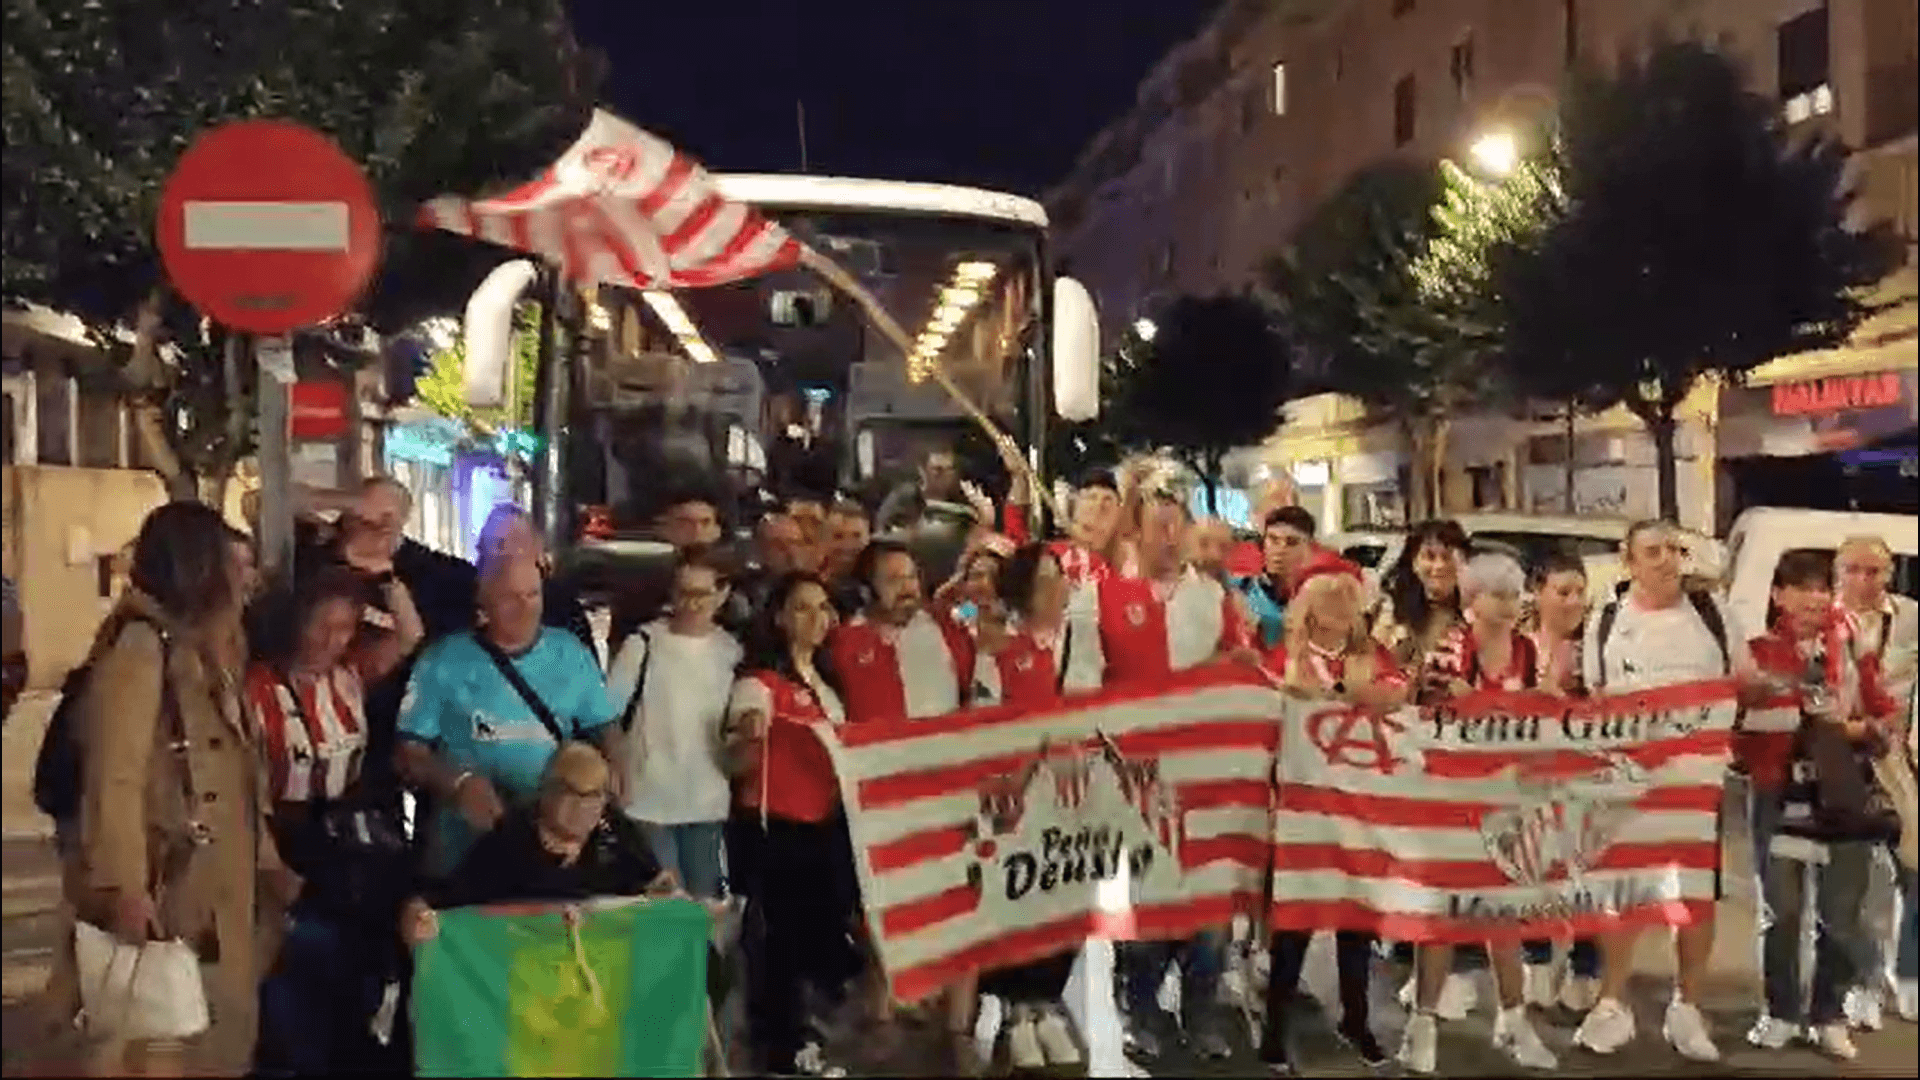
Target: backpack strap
[[1066, 657], [640, 684], [1716, 622], [1609, 614], [519, 684]]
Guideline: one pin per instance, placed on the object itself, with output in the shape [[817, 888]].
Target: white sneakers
[[1038, 1037], [1862, 1008], [1457, 997], [1906, 999], [1835, 1041], [1513, 1035], [1772, 1033], [1686, 1029], [1608, 1026], [1420, 1045]]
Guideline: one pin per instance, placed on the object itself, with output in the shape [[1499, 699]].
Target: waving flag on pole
[[623, 207]]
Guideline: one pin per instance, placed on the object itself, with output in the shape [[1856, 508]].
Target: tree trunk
[[1570, 463], [1662, 427], [1423, 496]]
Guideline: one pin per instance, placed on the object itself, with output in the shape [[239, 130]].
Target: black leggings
[[1353, 953], [802, 897]]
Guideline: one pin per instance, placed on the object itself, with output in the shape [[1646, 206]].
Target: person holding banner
[[1487, 652], [787, 842], [1658, 634], [1328, 655], [1170, 619], [1806, 751], [1419, 606], [1559, 618]]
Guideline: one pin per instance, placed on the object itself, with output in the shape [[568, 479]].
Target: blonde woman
[[1486, 652], [1327, 654]]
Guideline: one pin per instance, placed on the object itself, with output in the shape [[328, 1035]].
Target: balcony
[[1892, 111]]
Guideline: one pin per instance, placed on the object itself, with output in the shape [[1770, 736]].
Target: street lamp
[[1496, 153], [1144, 328]]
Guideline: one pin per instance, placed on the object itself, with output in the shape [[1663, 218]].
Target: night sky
[[996, 93]]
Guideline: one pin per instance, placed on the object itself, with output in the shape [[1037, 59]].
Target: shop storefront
[[1842, 442]]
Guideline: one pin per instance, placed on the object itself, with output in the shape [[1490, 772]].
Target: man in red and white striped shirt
[[897, 659]]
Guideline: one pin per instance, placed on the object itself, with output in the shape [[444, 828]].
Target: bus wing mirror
[[1076, 352], [489, 332]]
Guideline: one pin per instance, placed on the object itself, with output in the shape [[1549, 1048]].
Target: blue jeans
[[1202, 959], [317, 1005], [692, 852], [1841, 952]]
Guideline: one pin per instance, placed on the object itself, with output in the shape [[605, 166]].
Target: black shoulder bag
[[519, 684]]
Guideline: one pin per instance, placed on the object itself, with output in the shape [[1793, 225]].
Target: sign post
[[266, 226]]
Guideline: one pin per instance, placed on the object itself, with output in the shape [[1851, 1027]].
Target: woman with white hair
[[1486, 652]]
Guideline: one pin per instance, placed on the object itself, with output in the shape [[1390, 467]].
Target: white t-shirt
[[1660, 647], [675, 776]]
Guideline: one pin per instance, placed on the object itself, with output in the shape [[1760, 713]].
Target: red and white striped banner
[[1502, 816], [997, 836], [625, 208]]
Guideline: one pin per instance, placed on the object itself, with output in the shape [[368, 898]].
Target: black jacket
[[510, 865]]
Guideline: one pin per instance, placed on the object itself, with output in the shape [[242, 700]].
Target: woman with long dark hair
[[1028, 662], [787, 842], [171, 842], [306, 697]]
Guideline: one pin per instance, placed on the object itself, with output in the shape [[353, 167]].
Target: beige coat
[[135, 822]]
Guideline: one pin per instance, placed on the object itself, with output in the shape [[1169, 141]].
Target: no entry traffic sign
[[265, 225]]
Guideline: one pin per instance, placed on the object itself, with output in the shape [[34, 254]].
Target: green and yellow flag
[[600, 990]]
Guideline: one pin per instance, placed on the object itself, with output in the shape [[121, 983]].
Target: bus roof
[[780, 191]]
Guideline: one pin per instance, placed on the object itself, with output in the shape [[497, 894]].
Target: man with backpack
[[1658, 633]]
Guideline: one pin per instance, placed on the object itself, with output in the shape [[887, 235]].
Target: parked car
[[1761, 535]]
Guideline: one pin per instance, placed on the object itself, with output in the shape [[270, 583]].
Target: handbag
[[133, 992]]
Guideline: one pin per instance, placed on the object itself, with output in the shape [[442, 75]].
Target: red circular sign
[[265, 225]]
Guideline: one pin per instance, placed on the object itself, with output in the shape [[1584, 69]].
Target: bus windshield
[[793, 392]]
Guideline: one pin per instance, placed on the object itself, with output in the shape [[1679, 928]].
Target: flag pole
[[889, 328]]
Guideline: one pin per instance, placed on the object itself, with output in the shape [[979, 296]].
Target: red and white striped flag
[[1144, 815], [623, 207], [1502, 816]]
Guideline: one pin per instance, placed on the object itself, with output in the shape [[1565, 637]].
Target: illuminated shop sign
[[1840, 393]]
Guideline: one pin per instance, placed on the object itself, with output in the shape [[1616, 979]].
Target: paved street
[[32, 894]]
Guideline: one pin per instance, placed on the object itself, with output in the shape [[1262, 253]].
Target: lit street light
[[1496, 153], [1144, 329]]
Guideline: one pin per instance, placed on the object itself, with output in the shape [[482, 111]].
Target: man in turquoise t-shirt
[[473, 740], [1286, 539]]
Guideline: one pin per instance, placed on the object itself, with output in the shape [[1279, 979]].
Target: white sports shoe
[[1579, 993], [1686, 1029], [1835, 1041], [1023, 1041], [1863, 1009], [1513, 1034], [1770, 1033], [1538, 985], [1906, 999], [1607, 1027], [1056, 1039], [1457, 997], [1420, 1046]]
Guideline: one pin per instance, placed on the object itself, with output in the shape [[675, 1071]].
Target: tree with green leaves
[[1209, 380], [1350, 295], [102, 98], [443, 388], [1688, 235]]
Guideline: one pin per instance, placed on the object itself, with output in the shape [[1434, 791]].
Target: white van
[[1761, 535]]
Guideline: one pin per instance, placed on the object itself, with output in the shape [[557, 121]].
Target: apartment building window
[[1461, 67], [1404, 103], [1805, 87], [1402, 7], [1280, 89]]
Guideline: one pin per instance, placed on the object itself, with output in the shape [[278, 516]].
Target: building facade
[[1240, 132]]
